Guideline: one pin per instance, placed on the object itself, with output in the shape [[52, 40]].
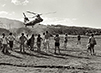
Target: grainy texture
[[74, 59]]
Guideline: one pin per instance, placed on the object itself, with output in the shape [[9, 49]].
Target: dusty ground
[[74, 59]]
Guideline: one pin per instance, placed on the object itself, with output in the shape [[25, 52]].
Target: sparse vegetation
[[73, 30], [74, 59], [18, 27], [2, 30]]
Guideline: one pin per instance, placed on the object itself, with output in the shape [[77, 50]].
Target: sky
[[83, 13]]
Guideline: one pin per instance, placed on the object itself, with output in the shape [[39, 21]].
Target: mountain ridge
[[9, 23], [18, 27]]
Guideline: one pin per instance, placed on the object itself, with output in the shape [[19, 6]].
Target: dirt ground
[[73, 59]]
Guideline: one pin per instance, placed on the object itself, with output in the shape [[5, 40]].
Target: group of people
[[45, 39], [4, 41], [23, 40], [90, 45]]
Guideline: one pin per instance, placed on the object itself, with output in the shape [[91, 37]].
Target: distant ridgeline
[[53, 29], [2, 30], [17, 27], [73, 30]]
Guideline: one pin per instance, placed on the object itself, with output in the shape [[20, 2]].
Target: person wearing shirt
[[57, 43], [65, 41], [47, 36], [92, 43], [11, 39], [22, 42], [5, 42], [32, 40], [0, 43], [39, 39], [78, 39]]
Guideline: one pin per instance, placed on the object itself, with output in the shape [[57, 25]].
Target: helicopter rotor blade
[[31, 12], [25, 17], [33, 17], [34, 13], [40, 14], [24, 14], [50, 12]]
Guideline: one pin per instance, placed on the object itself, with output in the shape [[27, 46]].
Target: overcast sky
[[85, 13]]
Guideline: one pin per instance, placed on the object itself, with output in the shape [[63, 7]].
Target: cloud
[[6, 13], [55, 21], [3, 13], [74, 19], [12, 13], [25, 2], [20, 2], [3, 5]]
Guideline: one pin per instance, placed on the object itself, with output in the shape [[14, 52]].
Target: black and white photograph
[[50, 36]]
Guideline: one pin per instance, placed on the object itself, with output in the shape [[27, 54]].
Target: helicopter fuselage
[[33, 22]]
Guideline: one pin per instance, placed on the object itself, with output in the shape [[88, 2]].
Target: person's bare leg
[[21, 48], [55, 50], [59, 49]]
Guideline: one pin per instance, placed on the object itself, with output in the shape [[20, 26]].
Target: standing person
[[32, 40], [5, 42], [28, 41], [11, 39], [65, 41], [79, 39], [0, 43], [44, 41], [39, 39], [57, 43], [22, 42], [47, 36], [92, 43]]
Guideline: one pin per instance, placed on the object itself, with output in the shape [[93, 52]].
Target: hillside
[[73, 30], [9, 24], [2, 30], [18, 27]]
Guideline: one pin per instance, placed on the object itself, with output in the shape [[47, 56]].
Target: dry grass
[[73, 59]]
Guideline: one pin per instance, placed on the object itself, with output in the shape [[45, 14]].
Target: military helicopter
[[37, 19]]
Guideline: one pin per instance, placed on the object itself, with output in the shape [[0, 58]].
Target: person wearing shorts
[[57, 43]]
